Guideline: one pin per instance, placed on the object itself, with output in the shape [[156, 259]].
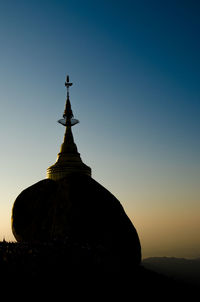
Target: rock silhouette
[[79, 208]]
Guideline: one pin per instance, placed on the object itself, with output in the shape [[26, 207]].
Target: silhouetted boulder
[[80, 209]]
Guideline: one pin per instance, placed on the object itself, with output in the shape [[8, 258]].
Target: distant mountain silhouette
[[186, 270]]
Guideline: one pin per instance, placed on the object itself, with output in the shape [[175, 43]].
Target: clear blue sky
[[136, 69]]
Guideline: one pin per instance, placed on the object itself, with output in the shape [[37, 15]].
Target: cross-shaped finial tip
[[67, 83]]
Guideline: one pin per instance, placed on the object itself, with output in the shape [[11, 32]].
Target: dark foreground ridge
[[70, 268]]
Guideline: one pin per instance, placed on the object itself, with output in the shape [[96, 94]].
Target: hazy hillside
[[187, 270]]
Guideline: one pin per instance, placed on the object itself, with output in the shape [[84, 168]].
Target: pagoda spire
[[68, 160], [68, 114]]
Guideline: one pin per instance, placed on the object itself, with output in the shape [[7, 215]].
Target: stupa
[[69, 203], [68, 160]]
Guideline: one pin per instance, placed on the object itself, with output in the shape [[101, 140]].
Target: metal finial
[[68, 84], [68, 114]]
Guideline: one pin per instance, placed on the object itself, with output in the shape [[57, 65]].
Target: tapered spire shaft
[[68, 160]]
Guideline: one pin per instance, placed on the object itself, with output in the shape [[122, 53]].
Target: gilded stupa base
[[72, 164]]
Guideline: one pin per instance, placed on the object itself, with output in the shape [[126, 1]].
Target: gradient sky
[[135, 66]]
